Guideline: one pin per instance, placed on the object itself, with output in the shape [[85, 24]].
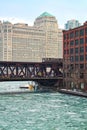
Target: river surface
[[41, 111]]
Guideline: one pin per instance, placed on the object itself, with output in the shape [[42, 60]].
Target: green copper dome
[[46, 14]]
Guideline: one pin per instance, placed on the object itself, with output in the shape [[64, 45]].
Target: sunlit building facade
[[20, 42]]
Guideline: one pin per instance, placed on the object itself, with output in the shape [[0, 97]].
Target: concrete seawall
[[75, 93]]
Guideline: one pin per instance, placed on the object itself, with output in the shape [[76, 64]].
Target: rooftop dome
[[46, 14]]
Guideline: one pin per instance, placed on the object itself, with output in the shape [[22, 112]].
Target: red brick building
[[75, 57]]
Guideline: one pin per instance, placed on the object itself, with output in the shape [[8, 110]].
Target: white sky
[[27, 10]]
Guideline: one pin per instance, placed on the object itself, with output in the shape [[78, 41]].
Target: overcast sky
[[27, 10]]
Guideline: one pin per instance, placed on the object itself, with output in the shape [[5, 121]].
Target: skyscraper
[[72, 24], [20, 42]]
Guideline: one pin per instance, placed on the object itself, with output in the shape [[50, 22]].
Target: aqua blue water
[[41, 111]]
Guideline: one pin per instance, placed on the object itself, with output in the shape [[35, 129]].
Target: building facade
[[72, 24], [20, 42], [75, 57]]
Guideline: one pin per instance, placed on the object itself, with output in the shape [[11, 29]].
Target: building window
[[81, 57], [76, 66], [64, 51], [71, 66], [86, 31], [86, 40], [81, 49], [71, 43], [67, 51], [81, 40], [71, 35], [76, 33], [65, 44], [82, 32], [5, 30], [86, 57], [64, 36], [81, 66], [76, 42], [86, 66], [67, 35], [76, 58], [76, 50], [9, 30], [86, 48], [71, 51], [72, 58], [81, 75]]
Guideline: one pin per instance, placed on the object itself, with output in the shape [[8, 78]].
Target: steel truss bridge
[[45, 73]]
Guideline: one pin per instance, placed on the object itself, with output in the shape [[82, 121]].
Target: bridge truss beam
[[15, 71]]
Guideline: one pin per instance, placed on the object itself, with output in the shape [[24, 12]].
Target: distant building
[[20, 42], [72, 24], [75, 57]]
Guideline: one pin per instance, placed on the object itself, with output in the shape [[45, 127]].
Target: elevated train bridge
[[46, 73]]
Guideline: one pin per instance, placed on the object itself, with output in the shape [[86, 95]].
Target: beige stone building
[[20, 42]]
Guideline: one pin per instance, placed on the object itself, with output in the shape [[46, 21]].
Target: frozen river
[[41, 111]]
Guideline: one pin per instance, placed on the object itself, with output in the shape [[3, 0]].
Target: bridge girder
[[41, 72]]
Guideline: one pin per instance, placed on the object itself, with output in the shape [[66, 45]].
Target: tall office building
[[20, 42], [72, 24]]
